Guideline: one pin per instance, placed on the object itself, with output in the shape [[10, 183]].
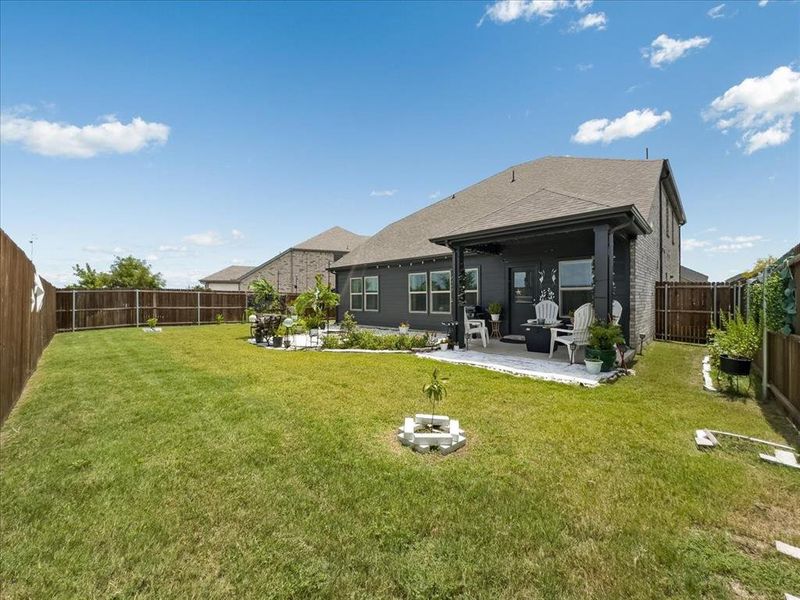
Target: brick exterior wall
[[294, 271], [645, 266]]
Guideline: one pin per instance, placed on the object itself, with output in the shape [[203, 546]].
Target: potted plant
[[603, 339], [735, 344], [495, 308], [317, 303], [220, 319], [435, 391], [403, 328], [444, 343], [593, 365]]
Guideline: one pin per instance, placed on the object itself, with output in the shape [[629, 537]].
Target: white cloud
[[665, 50], [151, 257], [741, 238], [236, 234], [717, 12], [115, 251], [49, 138], [505, 11], [761, 108], [590, 21], [762, 3], [382, 193], [171, 248], [434, 195], [632, 124], [584, 66], [208, 238], [689, 244]]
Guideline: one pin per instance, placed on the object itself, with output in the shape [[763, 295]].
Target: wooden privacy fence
[[686, 311], [97, 309], [26, 327], [783, 366]]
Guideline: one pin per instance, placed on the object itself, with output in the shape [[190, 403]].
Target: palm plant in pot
[[735, 344], [603, 339], [495, 308]]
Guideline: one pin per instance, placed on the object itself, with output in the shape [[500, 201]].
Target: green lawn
[[191, 464]]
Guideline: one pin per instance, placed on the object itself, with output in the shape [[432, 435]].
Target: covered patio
[[514, 359]]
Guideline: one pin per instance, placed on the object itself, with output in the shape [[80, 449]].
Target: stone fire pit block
[[447, 435]]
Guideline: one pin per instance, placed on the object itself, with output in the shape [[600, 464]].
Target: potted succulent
[[403, 328], [735, 344], [444, 343], [603, 339], [151, 325], [495, 308]]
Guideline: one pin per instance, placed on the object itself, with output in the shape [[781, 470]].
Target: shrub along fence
[[98, 309], [27, 321], [686, 311]]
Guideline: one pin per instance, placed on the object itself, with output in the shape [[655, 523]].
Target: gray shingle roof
[[542, 189], [335, 239], [230, 274]]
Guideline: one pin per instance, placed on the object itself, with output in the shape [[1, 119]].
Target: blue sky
[[259, 125]]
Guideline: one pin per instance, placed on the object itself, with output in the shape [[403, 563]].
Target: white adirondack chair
[[547, 310], [475, 327], [578, 335], [616, 312]]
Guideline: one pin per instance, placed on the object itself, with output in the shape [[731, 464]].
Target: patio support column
[[603, 270], [458, 305]]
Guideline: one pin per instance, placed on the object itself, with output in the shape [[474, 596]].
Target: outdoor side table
[[496, 330]]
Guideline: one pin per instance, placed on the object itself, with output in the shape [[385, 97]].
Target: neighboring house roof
[[688, 274], [336, 239], [230, 274], [545, 189]]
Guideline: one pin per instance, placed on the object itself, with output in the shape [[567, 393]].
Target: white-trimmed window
[[418, 292], [371, 292], [356, 293], [575, 286], [440, 292], [471, 287]]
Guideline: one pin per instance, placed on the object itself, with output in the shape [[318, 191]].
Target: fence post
[[714, 307], [137, 308], [74, 292], [666, 310], [198, 308]]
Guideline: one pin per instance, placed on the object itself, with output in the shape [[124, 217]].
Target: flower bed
[[364, 339]]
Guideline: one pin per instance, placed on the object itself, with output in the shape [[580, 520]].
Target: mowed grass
[[192, 464]]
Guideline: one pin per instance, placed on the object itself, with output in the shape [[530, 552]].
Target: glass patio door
[[523, 295]]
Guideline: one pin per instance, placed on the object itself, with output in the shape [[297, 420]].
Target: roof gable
[[230, 274], [335, 239]]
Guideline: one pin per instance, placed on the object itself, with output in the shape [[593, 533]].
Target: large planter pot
[[739, 367], [277, 341], [495, 317], [608, 357], [403, 330], [593, 365]]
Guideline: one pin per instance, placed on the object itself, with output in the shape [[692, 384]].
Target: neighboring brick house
[[293, 270], [226, 280], [570, 229]]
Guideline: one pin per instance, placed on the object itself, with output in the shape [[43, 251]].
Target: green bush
[[775, 287], [605, 336], [331, 342], [364, 339]]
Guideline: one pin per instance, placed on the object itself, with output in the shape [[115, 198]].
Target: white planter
[[443, 346], [593, 366], [152, 329], [403, 330], [495, 317]]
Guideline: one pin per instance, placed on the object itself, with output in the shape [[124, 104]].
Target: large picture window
[[574, 284], [440, 292], [471, 287], [371, 293], [418, 293], [356, 293]]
